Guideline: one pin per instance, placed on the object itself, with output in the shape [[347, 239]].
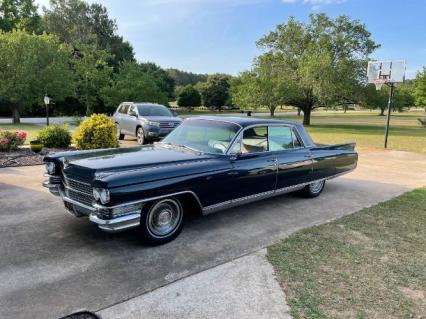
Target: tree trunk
[[15, 114], [307, 116], [299, 111], [382, 112], [272, 111]]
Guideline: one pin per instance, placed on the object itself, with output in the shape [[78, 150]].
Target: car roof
[[245, 121]]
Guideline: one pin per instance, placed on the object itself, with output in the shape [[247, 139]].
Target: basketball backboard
[[381, 72]]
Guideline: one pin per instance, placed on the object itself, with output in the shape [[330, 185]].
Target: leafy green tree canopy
[[32, 66], [19, 14], [78, 23], [183, 78], [420, 88], [132, 83], [189, 97], [215, 92], [320, 59], [162, 78]]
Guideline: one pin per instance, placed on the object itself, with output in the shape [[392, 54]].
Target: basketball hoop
[[379, 83]]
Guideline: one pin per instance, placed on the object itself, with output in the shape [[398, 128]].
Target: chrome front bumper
[[117, 224]]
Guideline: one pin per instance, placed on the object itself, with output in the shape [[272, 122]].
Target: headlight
[[50, 168], [101, 195], [152, 123]]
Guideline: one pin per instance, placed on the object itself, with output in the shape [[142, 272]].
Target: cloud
[[315, 4]]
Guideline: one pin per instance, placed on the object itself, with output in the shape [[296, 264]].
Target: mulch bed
[[25, 157]]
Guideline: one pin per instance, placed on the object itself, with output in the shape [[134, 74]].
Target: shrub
[[11, 140], [98, 131], [55, 136], [189, 96]]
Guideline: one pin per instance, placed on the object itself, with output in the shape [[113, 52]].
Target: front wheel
[[162, 221], [140, 136], [313, 190]]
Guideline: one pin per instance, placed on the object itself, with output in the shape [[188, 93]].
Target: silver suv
[[146, 121]]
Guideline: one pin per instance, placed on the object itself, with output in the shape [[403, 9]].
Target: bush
[[189, 96], [55, 136], [98, 131], [10, 141]]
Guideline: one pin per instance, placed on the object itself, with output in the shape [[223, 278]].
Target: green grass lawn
[[31, 129], [371, 264], [367, 129]]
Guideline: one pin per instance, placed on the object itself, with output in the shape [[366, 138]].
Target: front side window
[[153, 110], [282, 138], [203, 135], [255, 140]]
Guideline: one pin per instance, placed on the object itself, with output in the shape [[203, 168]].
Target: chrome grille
[[169, 124], [79, 191]]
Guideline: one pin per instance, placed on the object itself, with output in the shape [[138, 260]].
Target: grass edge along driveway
[[371, 264]]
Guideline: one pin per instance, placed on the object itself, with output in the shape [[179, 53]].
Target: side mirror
[[133, 113]]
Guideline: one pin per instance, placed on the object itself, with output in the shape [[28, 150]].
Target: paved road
[[52, 263]]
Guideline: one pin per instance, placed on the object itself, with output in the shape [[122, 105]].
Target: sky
[[208, 36]]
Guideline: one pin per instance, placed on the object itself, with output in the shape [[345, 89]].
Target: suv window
[[124, 108], [131, 108], [282, 138], [255, 140]]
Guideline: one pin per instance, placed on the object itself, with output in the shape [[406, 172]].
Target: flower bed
[[10, 141]]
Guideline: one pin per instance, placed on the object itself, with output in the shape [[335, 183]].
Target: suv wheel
[[162, 221], [140, 136]]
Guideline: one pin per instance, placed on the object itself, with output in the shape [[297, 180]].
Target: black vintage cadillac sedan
[[204, 165]]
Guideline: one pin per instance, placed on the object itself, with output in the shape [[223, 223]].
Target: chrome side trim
[[252, 198], [99, 206]]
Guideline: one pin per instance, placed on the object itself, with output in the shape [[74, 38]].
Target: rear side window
[[282, 138], [124, 108]]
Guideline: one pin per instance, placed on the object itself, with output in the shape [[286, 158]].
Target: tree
[[375, 99], [189, 97], [319, 60], [263, 86], [21, 14], [32, 66], [162, 78], [92, 75], [79, 24], [183, 78], [132, 83], [215, 92], [420, 88]]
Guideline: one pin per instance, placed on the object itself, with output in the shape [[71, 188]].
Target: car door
[[294, 161], [254, 168], [131, 120], [123, 118]]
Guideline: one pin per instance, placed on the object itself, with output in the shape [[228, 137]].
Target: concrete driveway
[[52, 263]]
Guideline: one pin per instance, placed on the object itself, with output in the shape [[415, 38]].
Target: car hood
[[124, 166]]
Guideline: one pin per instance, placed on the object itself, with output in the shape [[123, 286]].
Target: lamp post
[[47, 102]]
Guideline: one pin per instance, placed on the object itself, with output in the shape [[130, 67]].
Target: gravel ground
[[24, 157]]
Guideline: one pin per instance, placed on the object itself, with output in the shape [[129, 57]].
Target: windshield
[[153, 110], [203, 135]]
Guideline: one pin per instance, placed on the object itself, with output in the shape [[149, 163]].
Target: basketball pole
[[391, 91]]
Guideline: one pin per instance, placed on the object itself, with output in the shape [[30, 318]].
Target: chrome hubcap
[[316, 187], [164, 218], [140, 136]]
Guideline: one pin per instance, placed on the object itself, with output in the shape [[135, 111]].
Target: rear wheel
[[313, 190], [119, 135], [140, 136], [162, 221]]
